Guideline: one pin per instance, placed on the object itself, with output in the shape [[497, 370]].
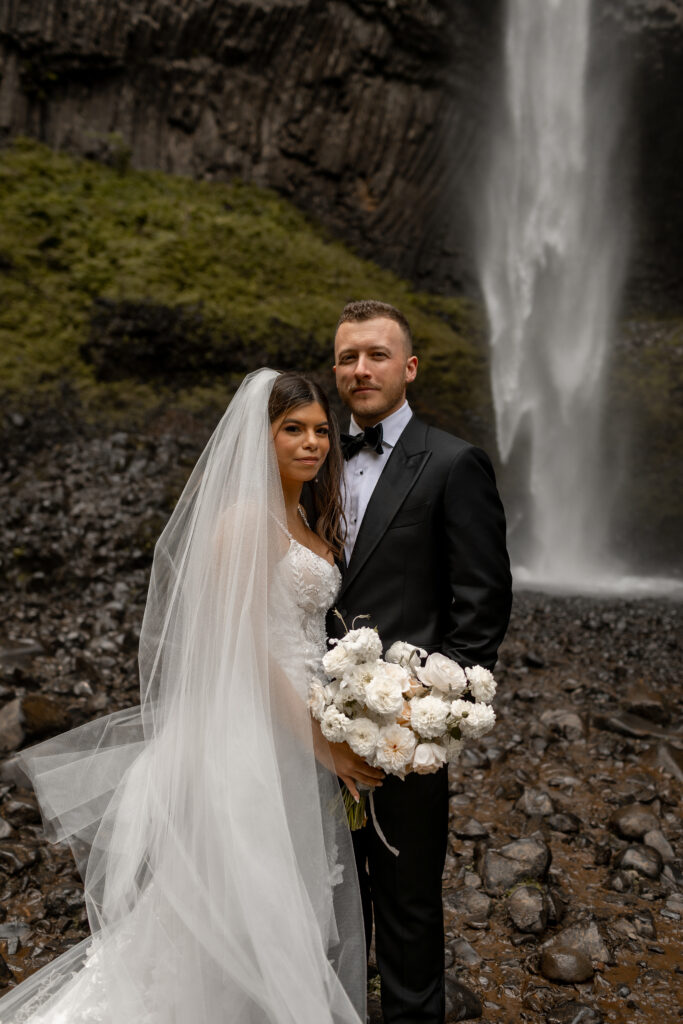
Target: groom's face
[[372, 367]]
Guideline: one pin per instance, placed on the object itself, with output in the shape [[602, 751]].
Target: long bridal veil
[[220, 882]]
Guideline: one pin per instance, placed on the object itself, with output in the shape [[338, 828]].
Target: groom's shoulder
[[438, 442]]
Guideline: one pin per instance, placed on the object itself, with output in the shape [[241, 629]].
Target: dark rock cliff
[[368, 114]]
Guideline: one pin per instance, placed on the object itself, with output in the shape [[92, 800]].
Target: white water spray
[[551, 264]]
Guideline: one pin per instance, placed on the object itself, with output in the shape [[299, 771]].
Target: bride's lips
[[309, 462]]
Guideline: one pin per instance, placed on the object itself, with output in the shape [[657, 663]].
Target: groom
[[426, 560]]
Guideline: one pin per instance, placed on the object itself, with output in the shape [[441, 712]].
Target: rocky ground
[[563, 888]]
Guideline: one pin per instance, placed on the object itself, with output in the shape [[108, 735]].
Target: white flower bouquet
[[404, 713]]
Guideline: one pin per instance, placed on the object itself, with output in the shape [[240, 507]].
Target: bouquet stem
[[355, 811]]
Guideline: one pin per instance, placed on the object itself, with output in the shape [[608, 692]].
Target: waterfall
[[551, 261]]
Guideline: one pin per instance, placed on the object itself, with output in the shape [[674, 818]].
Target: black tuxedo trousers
[[429, 566]]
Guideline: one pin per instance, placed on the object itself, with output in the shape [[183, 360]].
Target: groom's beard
[[374, 405]]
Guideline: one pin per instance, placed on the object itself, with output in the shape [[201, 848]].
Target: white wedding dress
[[220, 882]]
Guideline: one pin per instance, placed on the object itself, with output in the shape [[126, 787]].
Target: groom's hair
[[371, 309]]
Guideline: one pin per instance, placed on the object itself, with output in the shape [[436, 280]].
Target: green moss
[[75, 231]]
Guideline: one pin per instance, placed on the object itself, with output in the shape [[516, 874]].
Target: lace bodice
[[316, 587]]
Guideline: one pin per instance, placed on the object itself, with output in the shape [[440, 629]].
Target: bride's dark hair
[[323, 497]]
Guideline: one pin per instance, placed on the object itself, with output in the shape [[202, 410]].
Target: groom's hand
[[352, 769]]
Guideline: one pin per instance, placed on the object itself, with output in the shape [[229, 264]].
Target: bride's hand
[[352, 769]]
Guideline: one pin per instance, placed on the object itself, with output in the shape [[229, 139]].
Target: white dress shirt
[[362, 472]]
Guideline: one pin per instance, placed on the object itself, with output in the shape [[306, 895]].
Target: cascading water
[[551, 267]]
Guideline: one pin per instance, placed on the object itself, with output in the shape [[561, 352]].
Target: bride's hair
[[290, 391]]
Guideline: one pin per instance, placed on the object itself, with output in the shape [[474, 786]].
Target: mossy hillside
[[262, 284]]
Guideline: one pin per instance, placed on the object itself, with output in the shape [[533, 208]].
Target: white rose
[[317, 699], [337, 661], [406, 655], [428, 757], [399, 673], [480, 719], [334, 724], [482, 684], [362, 736], [384, 694], [395, 749], [362, 644], [428, 716], [441, 673]]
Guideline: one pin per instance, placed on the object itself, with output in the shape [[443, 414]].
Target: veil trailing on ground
[[215, 842]]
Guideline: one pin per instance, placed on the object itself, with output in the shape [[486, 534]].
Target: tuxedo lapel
[[399, 476]]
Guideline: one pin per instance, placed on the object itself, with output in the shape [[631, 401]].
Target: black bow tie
[[353, 443]]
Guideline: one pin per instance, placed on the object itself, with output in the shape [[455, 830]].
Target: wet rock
[[658, 841], [626, 724], [566, 965], [644, 923], [18, 653], [671, 760], [43, 716], [22, 810], [619, 881], [470, 829], [469, 905], [574, 1013], [565, 822], [15, 857], [585, 937], [461, 1002], [564, 723], [648, 705], [65, 898], [464, 952], [633, 821], [11, 727], [534, 802], [5, 974], [512, 863], [644, 859], [528, 909]]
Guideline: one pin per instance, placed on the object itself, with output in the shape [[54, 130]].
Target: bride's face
[[302, 442]]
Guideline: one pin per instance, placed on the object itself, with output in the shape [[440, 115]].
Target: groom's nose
[[362, 368]]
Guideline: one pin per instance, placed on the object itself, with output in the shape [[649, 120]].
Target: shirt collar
[[392, 427]]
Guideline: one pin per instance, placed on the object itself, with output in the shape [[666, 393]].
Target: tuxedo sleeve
[[477, 561]]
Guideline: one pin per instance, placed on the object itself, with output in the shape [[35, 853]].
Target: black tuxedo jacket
[[430, 565]]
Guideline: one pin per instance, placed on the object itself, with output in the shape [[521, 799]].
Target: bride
[[220, 882]]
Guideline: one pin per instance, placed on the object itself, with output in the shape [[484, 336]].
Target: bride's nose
[[311, 440]]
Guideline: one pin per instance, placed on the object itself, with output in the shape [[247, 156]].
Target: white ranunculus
[[355, 682], [428, 757], [362, 644], [317, 699], [362, 736], [406, 655], [395, 749], [480, 720], [337, 661], [384, 695], [428, 716], [334, 724], [443, 674], [482, 684], [459, 709]]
